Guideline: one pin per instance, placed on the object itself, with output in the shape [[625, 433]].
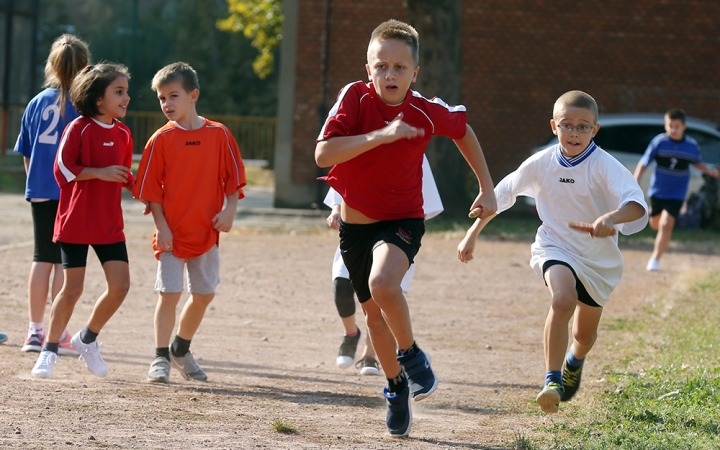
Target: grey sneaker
[[187, 366], [159, 370]]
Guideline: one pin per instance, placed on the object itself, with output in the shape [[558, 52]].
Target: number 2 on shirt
[[50, 135]]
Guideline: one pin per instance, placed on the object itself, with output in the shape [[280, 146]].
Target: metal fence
[[254, 135]]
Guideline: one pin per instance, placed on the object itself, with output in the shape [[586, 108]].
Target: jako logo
[[108, 144], [192, 143], [567, 180]]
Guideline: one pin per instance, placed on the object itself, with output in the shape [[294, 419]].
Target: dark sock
[[412, 348], [572, 362], [553, 375], [397, 384], [87, 336], [51, 346], [180, 346], [163, 351]]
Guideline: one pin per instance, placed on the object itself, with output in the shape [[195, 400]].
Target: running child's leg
[[388, 269], [561, 282], [345, 303], [585, 325], [665, 228], [382, 339]]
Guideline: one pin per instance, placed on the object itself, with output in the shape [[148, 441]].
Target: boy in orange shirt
[[189, 168]]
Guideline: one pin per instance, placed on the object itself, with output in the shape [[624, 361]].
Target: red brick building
[[518, 57]]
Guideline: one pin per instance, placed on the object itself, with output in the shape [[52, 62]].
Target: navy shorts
[[75, 255], [657, 205], [357, 243], [43, 216], [583, 295]]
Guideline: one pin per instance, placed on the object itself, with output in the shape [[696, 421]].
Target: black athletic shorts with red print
[[357, 243]]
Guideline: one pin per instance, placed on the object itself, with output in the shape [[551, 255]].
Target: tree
[[438, 23], [261, 21]]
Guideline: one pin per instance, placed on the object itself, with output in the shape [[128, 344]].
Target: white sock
[[36, 328]]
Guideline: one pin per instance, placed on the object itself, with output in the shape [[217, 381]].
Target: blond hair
[[575, 99], [394, 29], [176, 72], [68, 56]]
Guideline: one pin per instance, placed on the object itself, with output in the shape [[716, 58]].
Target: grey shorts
[[203, 272]]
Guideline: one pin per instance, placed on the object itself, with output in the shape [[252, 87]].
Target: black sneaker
[[399, 413], [368, 366], [571, 381], [421, 378], [346, 355]]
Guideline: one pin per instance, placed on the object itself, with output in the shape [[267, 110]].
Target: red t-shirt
[[190, 172], [385, 183], [89, 211]]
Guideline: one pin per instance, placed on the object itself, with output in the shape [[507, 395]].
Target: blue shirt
[[672, 175], [40, 132]]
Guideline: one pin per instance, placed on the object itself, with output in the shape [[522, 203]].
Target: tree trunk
[[438, 24]]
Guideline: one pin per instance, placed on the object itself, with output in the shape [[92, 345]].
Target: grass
[[282, 426], [667, 394]]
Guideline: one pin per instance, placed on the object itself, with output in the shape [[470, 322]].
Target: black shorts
[[43, 215], [583, 295], [657, 205], [75, 255], [357, 243]]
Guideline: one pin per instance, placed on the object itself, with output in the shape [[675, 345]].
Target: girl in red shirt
[[91, 168]]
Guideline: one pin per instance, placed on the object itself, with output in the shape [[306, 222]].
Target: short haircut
[[575, 99], [68, 56], [176, 72], [394, 29], [90, 84], [676, 114]]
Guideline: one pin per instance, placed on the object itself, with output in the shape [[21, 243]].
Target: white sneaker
[[90, 354], [44, 365], [653, 265]]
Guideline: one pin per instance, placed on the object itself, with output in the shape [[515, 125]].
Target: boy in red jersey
[[375, 137], [189, 168]]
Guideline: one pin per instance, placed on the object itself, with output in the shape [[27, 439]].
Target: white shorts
[[340, 271], [203, 272]]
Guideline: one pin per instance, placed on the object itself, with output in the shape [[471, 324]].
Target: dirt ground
[[269, 341]]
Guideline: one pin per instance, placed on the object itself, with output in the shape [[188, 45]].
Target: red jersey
[[89, 211], [385, 183], [190, 172]]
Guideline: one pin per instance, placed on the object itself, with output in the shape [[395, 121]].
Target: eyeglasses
[[580, 128]]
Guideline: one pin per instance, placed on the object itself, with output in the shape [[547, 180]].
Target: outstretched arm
[[339, 149], [466, 247], [605, 225], [485, 203], [639, 171], [702, 167]]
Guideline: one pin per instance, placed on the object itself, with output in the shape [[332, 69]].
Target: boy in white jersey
[[576, 185]]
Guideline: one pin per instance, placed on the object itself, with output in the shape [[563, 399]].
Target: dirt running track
[[269, 341]]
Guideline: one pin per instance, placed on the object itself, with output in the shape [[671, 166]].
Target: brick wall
[[519, 56]]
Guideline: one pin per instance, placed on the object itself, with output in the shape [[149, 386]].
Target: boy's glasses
[[580, 128]]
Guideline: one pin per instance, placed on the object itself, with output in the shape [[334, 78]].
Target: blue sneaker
[[421, 378], [3, 337], [399, 414], [571, 381]]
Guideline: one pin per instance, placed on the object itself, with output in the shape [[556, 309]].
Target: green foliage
[[261, 21], [146, 35]]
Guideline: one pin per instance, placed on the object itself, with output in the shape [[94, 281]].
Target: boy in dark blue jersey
[[674, 152]]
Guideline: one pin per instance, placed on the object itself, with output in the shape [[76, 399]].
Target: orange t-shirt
[[190, 172]]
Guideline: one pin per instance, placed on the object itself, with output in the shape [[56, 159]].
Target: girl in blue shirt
[[42, 125]]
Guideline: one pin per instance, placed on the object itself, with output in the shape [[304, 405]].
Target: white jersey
[[578, 189], [432, 206]]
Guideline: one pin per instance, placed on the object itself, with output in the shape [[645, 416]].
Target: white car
[[627, 136]]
